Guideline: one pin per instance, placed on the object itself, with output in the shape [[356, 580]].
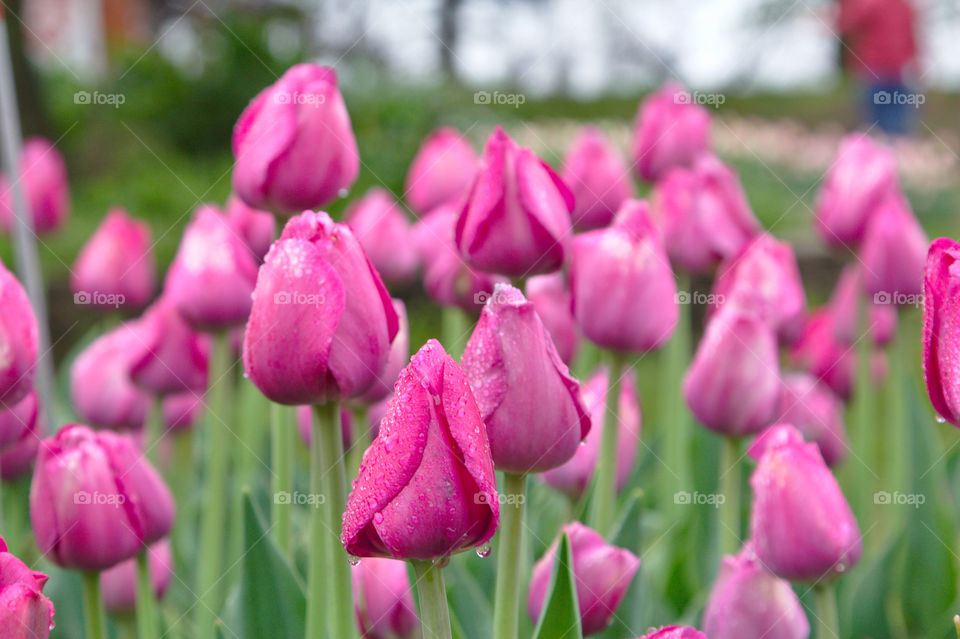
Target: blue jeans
[[891, 106]]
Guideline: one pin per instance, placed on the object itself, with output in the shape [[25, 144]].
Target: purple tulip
[[21, 428], [516, 218], [116, 267], [293, 144], [426, 487], [551, 298], [322, 321], [624, 294], [16, 420], [398, 357], [383, 600], [893, 252], [119, 583], [441, 172], [170, 356], [941, 342], [801, 525], [819, 352], [575, 476], [382, 229], [18, 341], [817, 412], [180, 411], [602, 573], [24, 612], [599, 178], [670, 131], [846, 304], [43, 177], [675, 632], [256, 228]]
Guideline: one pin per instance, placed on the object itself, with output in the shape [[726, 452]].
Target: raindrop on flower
[[483, 551], [353, 560]]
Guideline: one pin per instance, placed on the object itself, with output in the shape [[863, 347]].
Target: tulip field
[[556, 386]]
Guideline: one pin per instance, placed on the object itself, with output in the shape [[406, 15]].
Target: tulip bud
[[446, 277], [16, 419], [703, 214], [115, 267], [43, 178], [893, 252], [863, 174], [382, 229], [95, 500], [747, 601], [941, 303], [169, 356], [819, 352], [100, 386], [516, 219], [397, 358], [801, 525], [256, 228], [426, 487], [322, 321], [733, 383], [602, 573], [21, 429], [383, 601], [552, 300], [24, 612], [293, 144], [849, 298], [675, 632], [305, 425], [624, 294], [180, 411], [529, 402], [598, 177], [119, 584], [817, 412], [441, 172], [671, 130], [213, 273], [18, 340], [574, 477]]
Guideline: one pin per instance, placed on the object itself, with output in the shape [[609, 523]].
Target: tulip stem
[[455, 328], [730, 489], [360, 437], [676, 425], [506, 610], [826, 598], [146, 606], [281, 447], [94, 615], [605, 491], [434, 612], [154, 426]]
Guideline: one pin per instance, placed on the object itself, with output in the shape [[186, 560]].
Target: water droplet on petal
[[378, 518], [353, 560], [483, 551], [941, 420]]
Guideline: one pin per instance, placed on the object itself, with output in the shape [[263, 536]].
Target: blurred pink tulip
[[119, 583], [384, 232], [170, 356], [256, 228], [181, 410], [817, 412], [893, 252], [846, 302], [17, 419], [441, 172], [598, 177], [43, 178], [18, 341], [551, 298], [675, 632], [305, 425], [24, 612], [670, 131], [941, 319], [818, 351], [397, 359], [383, 600], [22, 429]]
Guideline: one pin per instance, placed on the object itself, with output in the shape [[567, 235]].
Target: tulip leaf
[[468, 601], [272, 602], [868, 601], [560, 616]]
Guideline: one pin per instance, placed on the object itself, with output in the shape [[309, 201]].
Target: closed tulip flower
[[801, 525], [24, 612], [322, 321], [426, 487], [819, 352], [516, 219], [817, 412], [624, 294], [15, 419], [383, 600], [530, 404], [293, 144], [382, 229], [675, 632], [170, 356], [21, 428], [119, 584], [598, 177], [602, 573], [180, 411], [441, 172], [848, 300], [115, 268], [574, 477], [551, 298], [18, 340], [863, 174], [893, 252], [94, 500], [43, 178], [256, 228], [941, 304], [398, 357], [733, 383], [671, 130], [747, 601]]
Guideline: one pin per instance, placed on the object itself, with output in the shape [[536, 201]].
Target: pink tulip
[[24, 612], [21, 428], [733, 383], [293, 144], [575, 476], [599, 178], [43, 178], [863, 174], [180, 411], [322, 321], [383, 600], [801, 525], [703, 213], [670, 131], [602, 573], [675, 632], [256, 228], [551, 298], [529, 402], [18, 341], [398, 357], [624, 294], [115, 267], [747, 601], [100, 386], [941, 344], [305, 425], [95, 500], [846, 304], [426, 487], [441, 172], [516, 219], [382, 229], [170, 356], [893, 252], [16, 420], [819, 352], [817, 412], [119, 583], [446, 277]]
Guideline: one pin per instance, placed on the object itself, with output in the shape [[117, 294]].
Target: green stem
[[181, 480], [434, 612], [895, 463], [360, 437], [730, 489], [455, 328], [281, 446], [677, 428], [828, 624], [956, 625], [605, 493], [216, 497], [93, 614], [146, 605], [506, 610], [864, 435], [153, 428]]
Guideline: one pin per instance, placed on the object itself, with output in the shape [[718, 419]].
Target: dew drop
[[353, 560], [483, 551], [372, 502], [841, 567], [378, 518], [343, 192], [941, 420]]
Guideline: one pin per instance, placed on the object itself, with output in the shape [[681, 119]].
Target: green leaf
[[870, 592], [560, 617], [468, 601]]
